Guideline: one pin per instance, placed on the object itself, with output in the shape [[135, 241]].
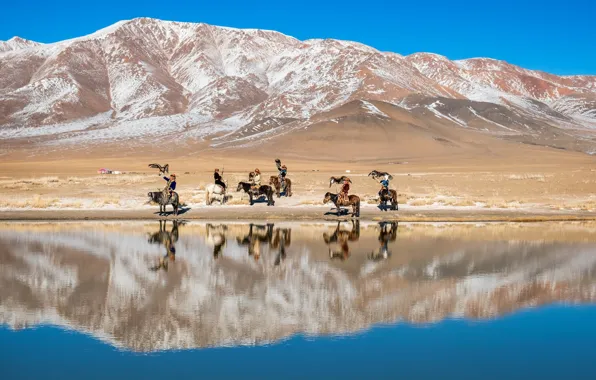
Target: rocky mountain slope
[[150, 78]]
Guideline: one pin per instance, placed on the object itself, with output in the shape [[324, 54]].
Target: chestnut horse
[[274, 182], [353, 200]]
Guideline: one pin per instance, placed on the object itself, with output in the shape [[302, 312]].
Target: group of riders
[[254, 179]]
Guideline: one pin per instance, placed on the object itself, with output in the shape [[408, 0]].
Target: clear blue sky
[[554, 36]]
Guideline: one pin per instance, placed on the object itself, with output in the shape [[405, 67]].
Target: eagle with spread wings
[[162, 169], [338, 180]]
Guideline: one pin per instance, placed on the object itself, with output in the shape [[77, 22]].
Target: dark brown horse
[[388, 195], [262, 190], [353, 200], [159, 198], [274, 182]]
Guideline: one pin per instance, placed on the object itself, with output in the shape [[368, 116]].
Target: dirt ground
[[535, 180]]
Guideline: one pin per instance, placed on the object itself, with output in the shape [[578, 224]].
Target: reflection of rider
[[168, 239], [283, 170], [341, 238], [218, 180], [385, 236], [343, 194], [170, 186]]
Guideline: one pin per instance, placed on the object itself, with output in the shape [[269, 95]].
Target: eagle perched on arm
[[162, 169], [338, 180], [377, 174]]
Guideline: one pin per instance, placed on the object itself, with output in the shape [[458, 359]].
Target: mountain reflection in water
[[171, 285]]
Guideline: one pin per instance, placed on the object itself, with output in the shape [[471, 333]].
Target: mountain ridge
[[204, 79]]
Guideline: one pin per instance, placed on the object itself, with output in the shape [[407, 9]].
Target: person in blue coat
[[384, 186], [171, 186]]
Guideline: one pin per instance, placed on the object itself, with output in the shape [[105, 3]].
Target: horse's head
[[240, 187], [272, 180], [327, 198], [373, 174], [152, 196]]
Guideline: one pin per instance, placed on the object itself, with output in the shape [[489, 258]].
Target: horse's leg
[[250, 198]]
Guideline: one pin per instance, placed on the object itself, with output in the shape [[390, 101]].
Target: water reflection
[[168, 239], [232, 283], [387, 234], [341, 238]]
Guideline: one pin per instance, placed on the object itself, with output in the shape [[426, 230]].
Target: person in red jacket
[[343, 194]]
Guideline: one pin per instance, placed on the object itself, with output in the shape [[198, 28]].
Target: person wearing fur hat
[[283, 170]]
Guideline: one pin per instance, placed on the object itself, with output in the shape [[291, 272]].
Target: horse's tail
[[358, 207], [207, 196]]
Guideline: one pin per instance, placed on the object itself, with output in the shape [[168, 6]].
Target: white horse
[[214, 192]]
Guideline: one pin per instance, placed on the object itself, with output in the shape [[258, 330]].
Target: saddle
[[343, 199]]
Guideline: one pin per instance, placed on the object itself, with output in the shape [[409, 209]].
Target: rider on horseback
[[255, 180], [343, 194], [218, 180], [384, 186], [282, 173], [170, 186]]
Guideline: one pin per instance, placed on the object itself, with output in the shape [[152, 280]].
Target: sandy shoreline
[[304, 214]]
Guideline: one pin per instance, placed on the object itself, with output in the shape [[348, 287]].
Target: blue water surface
[[555, 342]]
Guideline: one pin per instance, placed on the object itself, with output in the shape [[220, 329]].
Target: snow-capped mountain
[[144, 77]]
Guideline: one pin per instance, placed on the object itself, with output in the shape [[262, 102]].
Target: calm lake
[[297, 300]]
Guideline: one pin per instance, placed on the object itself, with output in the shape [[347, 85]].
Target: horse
[[281, 240], [353, 200], [168, 239], [262, 190], [254, 239], [388, 195], [162, 169], [274, 181], [214, 192], [338, 180], [158, 197], [385, 237], [342, 237], [162, 235], [378, 174]]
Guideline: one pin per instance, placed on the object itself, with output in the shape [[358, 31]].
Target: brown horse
[[274, 181], [389, 195], [255, 194], [353, 200]]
